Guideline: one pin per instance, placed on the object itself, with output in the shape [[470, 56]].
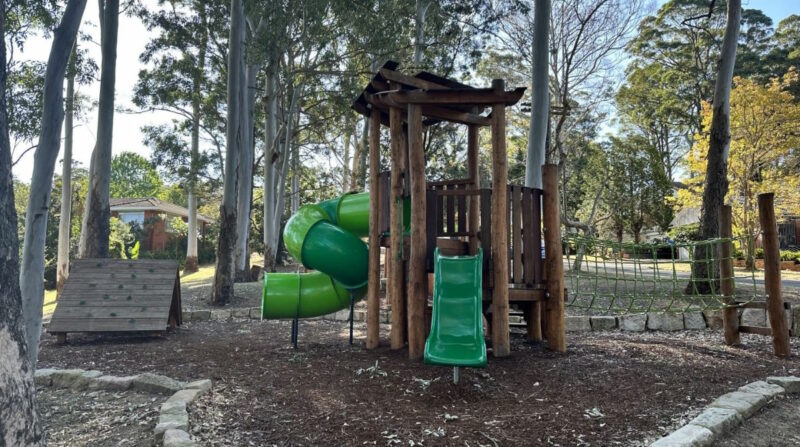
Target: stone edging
[[656, 321], [659, 321], [728, 411], [173, 419]]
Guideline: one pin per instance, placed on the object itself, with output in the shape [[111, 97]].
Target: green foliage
[[685, 233], [121, 240], [133, 176]]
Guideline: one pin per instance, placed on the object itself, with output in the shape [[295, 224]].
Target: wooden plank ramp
[[118, 295]]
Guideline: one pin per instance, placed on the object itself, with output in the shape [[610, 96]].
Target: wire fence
[[608, 277]]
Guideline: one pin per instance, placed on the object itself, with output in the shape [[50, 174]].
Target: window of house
[[132, 217]]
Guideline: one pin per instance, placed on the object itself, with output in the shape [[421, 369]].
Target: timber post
[[555, 325], [374, 272], [395, 258], [473, 170], [417, 285], [772, 275], [500, 330], [730, 314]]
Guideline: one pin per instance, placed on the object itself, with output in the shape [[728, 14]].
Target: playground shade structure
[[456, 337], [325, 237]]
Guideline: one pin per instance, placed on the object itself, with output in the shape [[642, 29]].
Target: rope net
[[607, 277]]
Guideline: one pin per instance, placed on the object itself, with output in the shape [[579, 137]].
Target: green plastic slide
[[456, 337], [325, 237]]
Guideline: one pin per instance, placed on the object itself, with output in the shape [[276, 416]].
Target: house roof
[[686, 216], [152, 204]]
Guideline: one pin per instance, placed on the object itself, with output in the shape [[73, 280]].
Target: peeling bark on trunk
[[95, 228], [31, 279], [223, 276], [65, 220], [716, 184], [19, 423]]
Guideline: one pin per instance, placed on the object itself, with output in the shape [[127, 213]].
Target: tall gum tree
[[716, 185], [222, 291], [32, 267], [95, 228], [19, 423]]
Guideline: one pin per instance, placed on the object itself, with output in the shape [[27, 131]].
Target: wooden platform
[[116, 295]]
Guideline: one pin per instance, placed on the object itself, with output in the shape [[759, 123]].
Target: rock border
[[172, 429], [728, 411], [640, 322]]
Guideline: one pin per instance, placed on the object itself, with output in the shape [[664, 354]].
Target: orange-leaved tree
[[765, 141]]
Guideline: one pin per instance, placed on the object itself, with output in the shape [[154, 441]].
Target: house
[[788, 227], [154, 217]]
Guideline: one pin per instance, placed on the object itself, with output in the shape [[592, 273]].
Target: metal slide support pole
[[352, 314]]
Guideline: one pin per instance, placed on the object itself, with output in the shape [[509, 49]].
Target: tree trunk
[[223, 275], [95, 228], [19, 423], [65, 221], [31, 279], [191, 265], [270, 160], [247, 157], [716, 184], [540, 94], [419, 25]]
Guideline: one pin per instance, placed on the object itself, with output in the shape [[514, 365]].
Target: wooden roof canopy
[[441, 99]]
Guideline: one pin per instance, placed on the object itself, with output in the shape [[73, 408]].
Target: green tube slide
[[325, 237]]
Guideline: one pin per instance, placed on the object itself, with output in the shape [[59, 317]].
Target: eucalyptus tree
[[33, 249], [184, 76], [81, 68], [716, 184], [95, 228], [19, 422], [222, 290]]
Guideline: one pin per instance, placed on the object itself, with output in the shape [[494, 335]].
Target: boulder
[[789, 383], [664, 322], [603, 323], [713, 318], [186, 396], [156, 384], [744, 403], [202, 385], [633, 322], [718, 420], [177, 438], [578, 324], [44, 376], [201, 315], [112, 383], [694, 321], [686, 436], [64, 378], [767, 390]]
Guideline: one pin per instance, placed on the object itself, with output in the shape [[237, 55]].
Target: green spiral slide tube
[[325, 237]]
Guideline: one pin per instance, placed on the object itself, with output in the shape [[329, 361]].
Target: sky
[[132, 39]]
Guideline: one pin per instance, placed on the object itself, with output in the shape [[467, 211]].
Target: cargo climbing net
[[609, 277]]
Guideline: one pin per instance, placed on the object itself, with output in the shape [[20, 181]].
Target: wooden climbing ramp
[[117, 295]]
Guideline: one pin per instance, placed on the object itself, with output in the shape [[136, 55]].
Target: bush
[[788, 255], [759, 253]]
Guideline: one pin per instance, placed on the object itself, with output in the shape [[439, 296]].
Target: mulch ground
[[97, 418], [611, 388]]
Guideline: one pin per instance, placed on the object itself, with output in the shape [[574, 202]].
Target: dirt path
[[776, 425], [610, 389]]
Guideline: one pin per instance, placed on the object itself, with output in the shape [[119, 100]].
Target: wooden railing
[[448, 209]]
